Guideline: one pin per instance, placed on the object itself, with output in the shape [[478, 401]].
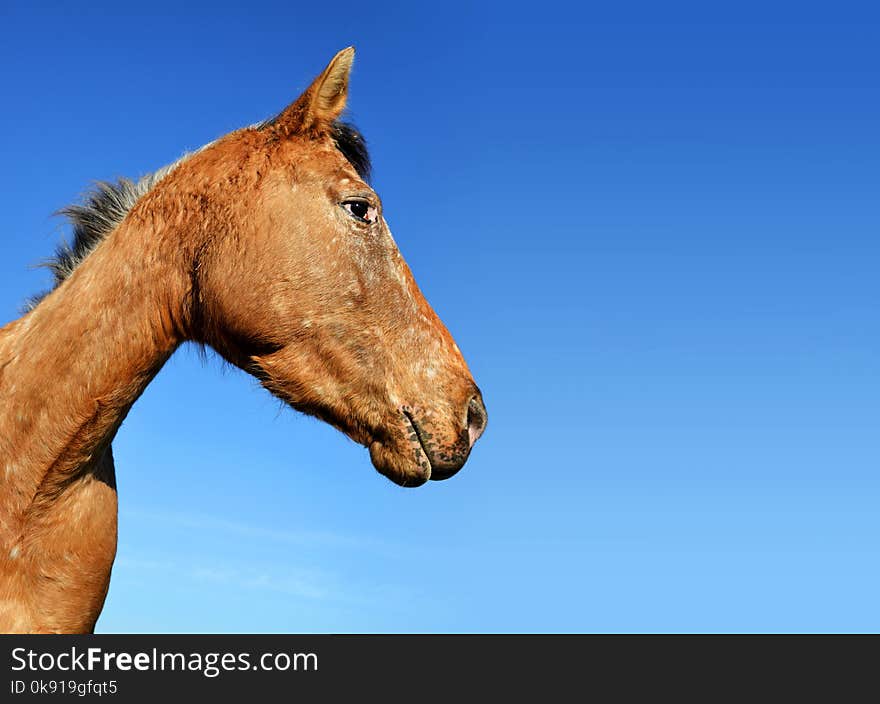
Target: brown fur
[[244, 246]]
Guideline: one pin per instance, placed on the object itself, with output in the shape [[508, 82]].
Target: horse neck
[[69, 372]]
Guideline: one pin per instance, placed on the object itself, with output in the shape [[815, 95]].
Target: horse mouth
[[402, 458], [411, 458], [417, 440]]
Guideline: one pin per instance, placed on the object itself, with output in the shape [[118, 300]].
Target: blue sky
[[653, 231]]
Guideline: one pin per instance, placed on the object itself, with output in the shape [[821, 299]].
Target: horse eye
[[360, 209]]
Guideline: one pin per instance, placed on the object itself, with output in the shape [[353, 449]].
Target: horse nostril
[[476, 419]]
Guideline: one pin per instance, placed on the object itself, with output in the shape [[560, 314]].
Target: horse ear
[[323, 101]]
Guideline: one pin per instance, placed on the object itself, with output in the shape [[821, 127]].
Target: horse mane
[[353, 147], [107, 204]]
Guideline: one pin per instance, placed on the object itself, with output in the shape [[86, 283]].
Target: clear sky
[[652, 229]]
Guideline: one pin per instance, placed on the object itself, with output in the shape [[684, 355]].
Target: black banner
[[320, 667]]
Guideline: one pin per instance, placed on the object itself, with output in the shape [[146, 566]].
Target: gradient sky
[[652, 229]]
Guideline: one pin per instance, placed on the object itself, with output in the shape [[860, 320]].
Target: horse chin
[[410, 468]]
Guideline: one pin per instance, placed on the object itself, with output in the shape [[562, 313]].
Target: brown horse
[[267, 245]]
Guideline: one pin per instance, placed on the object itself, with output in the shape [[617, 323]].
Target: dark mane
[[353, 147], [102, 209]]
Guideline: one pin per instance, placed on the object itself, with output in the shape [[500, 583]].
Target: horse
[[267, 245]]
